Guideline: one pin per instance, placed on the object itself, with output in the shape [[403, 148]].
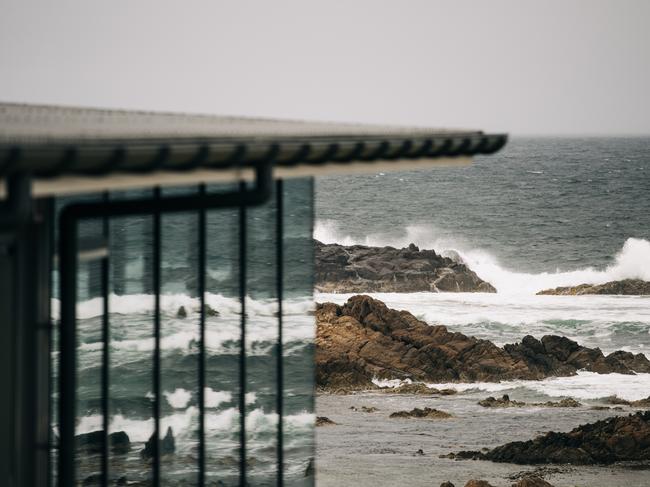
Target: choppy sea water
[[541, 214]]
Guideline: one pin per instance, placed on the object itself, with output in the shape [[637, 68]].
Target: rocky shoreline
[[629, 287], [364, 339], [363, 269], [617, 439]]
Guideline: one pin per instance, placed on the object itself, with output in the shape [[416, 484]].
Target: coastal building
[[156, 273]]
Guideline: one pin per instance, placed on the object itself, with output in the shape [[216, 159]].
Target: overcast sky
[[525, 67]]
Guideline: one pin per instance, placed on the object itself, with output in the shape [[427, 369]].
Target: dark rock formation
[[635, 287], [92, 442], [361, 269], [641, 403], [364, 339], [419, 388], [568, 402], [617, 439], [502, 402], [426, 413], [506, 402], [447, 484], [324, 421], [167, 445], [181, 313]]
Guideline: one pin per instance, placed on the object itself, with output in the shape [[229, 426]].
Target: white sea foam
[[178, 399], [131, 315], [184, 424], [390, 382], [134, 304], [632, 262], [215, 398], [584, 385]]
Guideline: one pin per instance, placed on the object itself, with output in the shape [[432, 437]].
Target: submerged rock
[[92, 442], [617, 439], [641, 403], [426, 413], [181, 313], [364, 339], [324, 421], [506, 402], [371, 409], [636, 287], [418, 388], [502, 402], [362, 269], [167, 445]]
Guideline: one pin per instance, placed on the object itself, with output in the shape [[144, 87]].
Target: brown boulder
[[478, 483], [364, 339]]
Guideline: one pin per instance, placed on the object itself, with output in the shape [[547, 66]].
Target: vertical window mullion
[[156, 359], [242, 352], [105, 343], [201, 290], [279, 366]]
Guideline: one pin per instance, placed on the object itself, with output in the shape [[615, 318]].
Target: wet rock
[[210, 311], [502, 402], [447, 484], [641, 403], [635, 287], [420, 452], [506, 402], [617, 439], [324, 421], [568, 402], [370, 409], [426, 413], [309, 471], [167, 445], [362, 269], [118, 442], [419, 388], [181, 313], [414, 388], [364, 339], [478, 483], [532, 481]]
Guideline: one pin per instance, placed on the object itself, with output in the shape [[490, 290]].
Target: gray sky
[[525, 67]]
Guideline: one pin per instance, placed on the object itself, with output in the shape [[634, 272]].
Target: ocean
[[542, 213]]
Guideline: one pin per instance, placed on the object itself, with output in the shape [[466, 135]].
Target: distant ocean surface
[[544, 212]]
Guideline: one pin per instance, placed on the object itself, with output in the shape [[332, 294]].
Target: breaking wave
[[584, 386], [631, 262]]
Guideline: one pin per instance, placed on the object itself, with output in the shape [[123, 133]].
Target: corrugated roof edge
[[282, 143]]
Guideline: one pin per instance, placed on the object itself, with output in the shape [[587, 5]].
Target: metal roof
[[48, 141]]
